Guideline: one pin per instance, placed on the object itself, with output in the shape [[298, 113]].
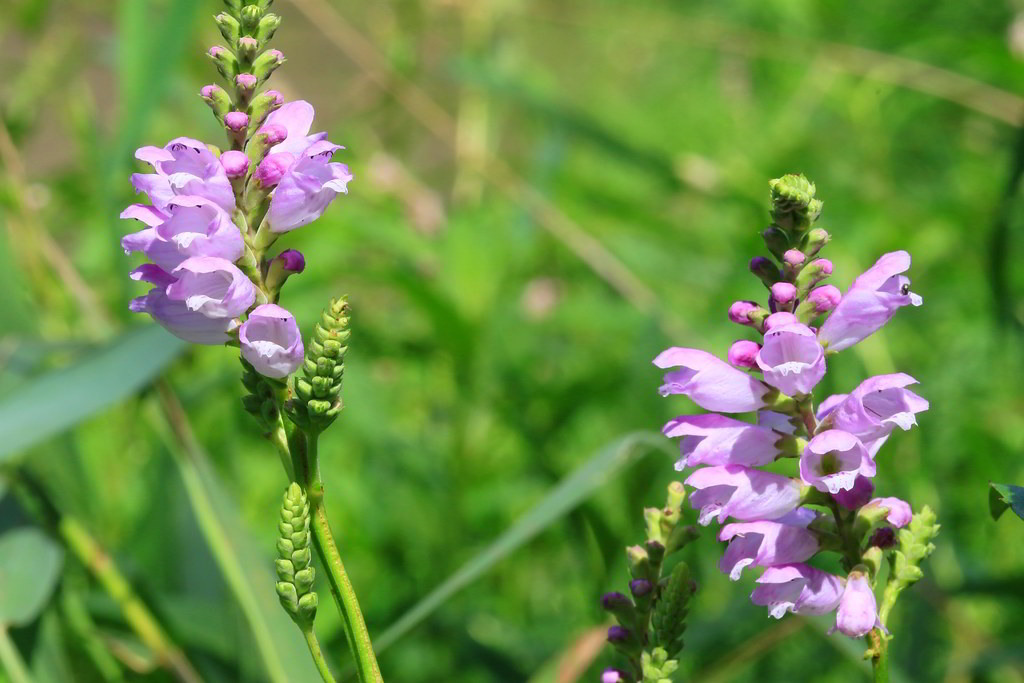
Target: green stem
[[84, 628], [317, 654], [341, 587], [14, 665], [879, 655]]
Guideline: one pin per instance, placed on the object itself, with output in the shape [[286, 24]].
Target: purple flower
[[212, 286], [833, 459], [296, 118], [797, 588], [709, 382], [192, 226], [613, 676], [858, 611], [877, 405], [713, 439], [183, 167], [898, 512], [743, 353], [792, 359], [778, 421], [743, 493], [764, 543], [271, 341], [871, 301], [175, 316], [310, 185]]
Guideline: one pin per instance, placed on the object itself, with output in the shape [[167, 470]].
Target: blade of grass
[[565, 496], [61, 399]]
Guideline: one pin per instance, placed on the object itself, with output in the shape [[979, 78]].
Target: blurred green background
[[547, 194]]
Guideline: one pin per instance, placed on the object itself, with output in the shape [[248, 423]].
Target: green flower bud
[[639, 562], [793, 204], [267, 27], [266, 64], [316, 399], [260, 107], [295, 572], [225, 60], [234, 6], [814, 241], [656, 666], [251, 15], [777, 241], [229, 27], [669, 618]]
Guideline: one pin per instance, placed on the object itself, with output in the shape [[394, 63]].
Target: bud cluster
[[317, 399], [652, 619], [295, 572]]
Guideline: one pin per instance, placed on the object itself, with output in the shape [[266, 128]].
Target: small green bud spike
[[904, 564], [669, 617], [793, 204], [657, 667], [316, 399], [295, 572]]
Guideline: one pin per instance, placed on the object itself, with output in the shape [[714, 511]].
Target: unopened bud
[[267, 27], [783, 293], [640, 587], [764, 269], [251, 15], [225, 61], [235, 163], [247, 48], [614, 676], [246, 84], [794, 257], [743, 353], [261, 106], [218, 100], [813, 273], [776, 240], [229, 27], [778, 319], [816, 239], [236, 120], [883, 537], [740, 310], [267, 63], [288, 262]]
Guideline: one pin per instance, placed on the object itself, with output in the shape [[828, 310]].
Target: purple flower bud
[[217, 51], [779, 319], [743, 353], [613, 676], [832, 461], [273, 168], [739, 310], [235, 163], [765, 269], [275, 133], [618, 634], [614, 600], [859, 495], [245, 81], [271, 341], [824, 298], [292, 260], [823, 264], [710, 382], [208, 91], [883, 537], [277, 97], [248, 44], [792, 359], [858, 611], [898, 512], [794, 257], [236, 120], [783, 292], [640, 587], [276, 55]]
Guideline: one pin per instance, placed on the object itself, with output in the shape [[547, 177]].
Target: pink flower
[[187, 226], [764, 543], [183, 167], [306, 190], [271, 341], [792, 359], [877, 405], [212, 286], [743, 353], [709, 382], [797, 588], [858, 611], [898, 512], [743, 493], [175, 316], [832, 461], [296, 118], [871, 301], [713, 439]]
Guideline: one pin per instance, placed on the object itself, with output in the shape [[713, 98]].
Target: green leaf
[[1003, 496], [61, 399], [29, 566], [565, 496]]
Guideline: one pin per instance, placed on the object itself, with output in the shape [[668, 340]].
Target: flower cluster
[[780, 516], [212, 216]]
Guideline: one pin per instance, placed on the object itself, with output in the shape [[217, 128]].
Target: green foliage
[[30, 564], [295, 572], [1003, 497]]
